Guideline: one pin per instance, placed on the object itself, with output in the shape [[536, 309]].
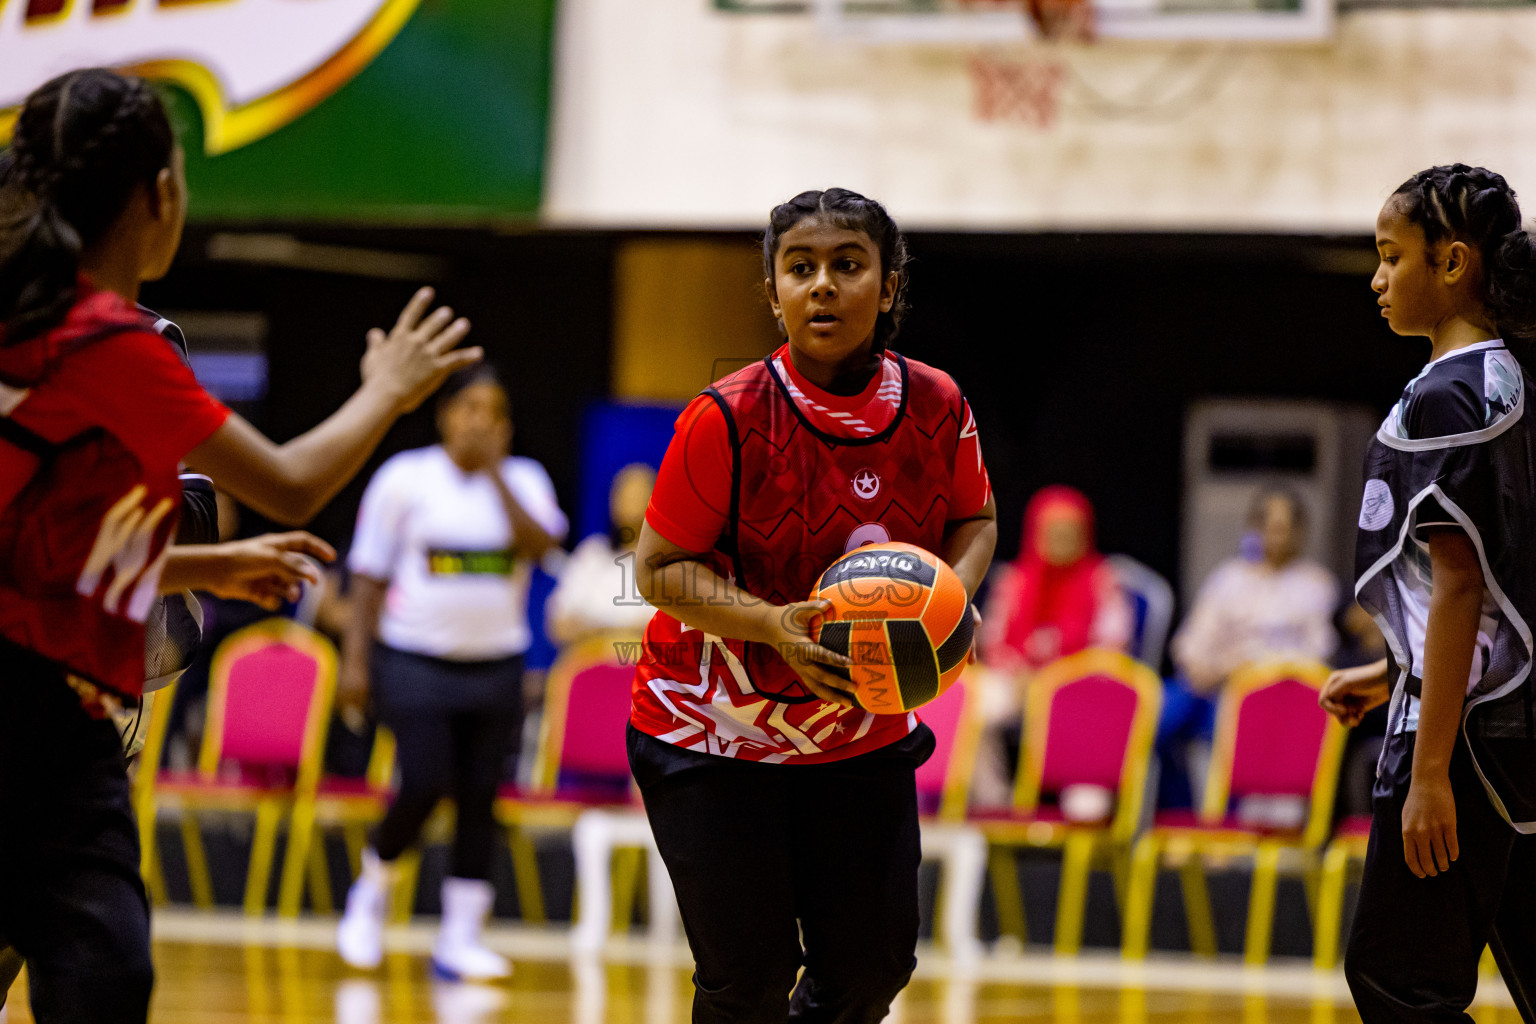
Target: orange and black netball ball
[[903, 617]]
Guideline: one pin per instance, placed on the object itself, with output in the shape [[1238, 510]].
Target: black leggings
[[763, 854], [455, 724], [71, 901], [1416, 942]]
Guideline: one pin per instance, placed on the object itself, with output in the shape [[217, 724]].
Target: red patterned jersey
[[775, 479], [94, 418]]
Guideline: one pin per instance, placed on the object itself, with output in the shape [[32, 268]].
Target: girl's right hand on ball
[[418, 353], [796, 623]]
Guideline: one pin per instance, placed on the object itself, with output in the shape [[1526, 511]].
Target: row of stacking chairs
[[1090, 719], [271, 689]]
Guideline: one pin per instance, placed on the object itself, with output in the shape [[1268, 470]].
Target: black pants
[[755, 849], [455, 723], [1416, 942], [71, 901]]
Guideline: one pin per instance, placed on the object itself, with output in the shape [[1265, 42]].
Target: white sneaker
[[458, 954], [360, 936]]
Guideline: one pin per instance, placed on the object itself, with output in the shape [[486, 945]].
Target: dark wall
[[1080, 353]]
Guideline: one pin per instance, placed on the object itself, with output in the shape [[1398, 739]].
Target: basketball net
[[1025, 88]]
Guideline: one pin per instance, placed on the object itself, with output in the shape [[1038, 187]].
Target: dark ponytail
[[849, 210], [1477, 206], [83, 142]]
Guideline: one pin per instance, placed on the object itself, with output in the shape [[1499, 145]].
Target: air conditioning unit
[[1233, 448]]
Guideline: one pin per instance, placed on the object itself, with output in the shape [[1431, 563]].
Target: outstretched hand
[[419, 352], [269, 569], [796, 624]]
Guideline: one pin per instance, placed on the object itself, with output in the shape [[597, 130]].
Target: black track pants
[[1416, 942], [763, 854], [71, 901], [455, 724]]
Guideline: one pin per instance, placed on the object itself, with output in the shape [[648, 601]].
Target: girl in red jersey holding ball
[[96, 412], [781, 808]]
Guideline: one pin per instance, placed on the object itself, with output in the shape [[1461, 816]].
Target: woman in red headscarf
[[1059, 595]]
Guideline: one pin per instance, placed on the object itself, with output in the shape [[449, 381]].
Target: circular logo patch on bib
[[1376, 508]]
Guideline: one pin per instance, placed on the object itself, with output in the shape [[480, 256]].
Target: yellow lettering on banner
[[243, 92]]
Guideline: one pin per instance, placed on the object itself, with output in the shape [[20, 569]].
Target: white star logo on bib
[[866, 484]]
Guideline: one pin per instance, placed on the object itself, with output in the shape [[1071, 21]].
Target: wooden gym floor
[[221, 968]]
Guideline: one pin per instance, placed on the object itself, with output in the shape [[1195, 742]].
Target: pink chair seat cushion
[[350, 785], [599, 796], [1356, 826], [1186, 820], [1048, 814], [231, 779]]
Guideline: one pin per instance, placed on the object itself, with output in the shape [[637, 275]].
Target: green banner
[[448, 123]]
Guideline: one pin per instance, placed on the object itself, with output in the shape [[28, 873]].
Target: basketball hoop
[[1016, 90]]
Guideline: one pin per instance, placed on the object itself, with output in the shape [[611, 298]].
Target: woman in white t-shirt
[[445, 543]]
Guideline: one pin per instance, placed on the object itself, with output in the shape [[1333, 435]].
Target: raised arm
[[291, 482]]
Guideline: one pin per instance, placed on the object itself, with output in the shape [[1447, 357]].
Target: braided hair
[[1477, 206], [82, 144], [849, 210]]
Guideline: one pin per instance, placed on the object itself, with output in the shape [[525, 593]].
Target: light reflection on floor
[[225, 969]]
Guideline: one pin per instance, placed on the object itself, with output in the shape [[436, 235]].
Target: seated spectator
[[1250, 609], [596, 592], [1057, 597]]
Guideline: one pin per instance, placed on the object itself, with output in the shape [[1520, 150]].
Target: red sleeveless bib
[[800, 498]]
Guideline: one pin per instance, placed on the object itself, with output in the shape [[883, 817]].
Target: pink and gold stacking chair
[[1090, 719], [581, 763], [271, 686], [1272, 741]]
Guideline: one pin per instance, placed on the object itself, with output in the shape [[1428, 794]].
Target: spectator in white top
[[445, 543], [1250, 609], [596, 592]]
